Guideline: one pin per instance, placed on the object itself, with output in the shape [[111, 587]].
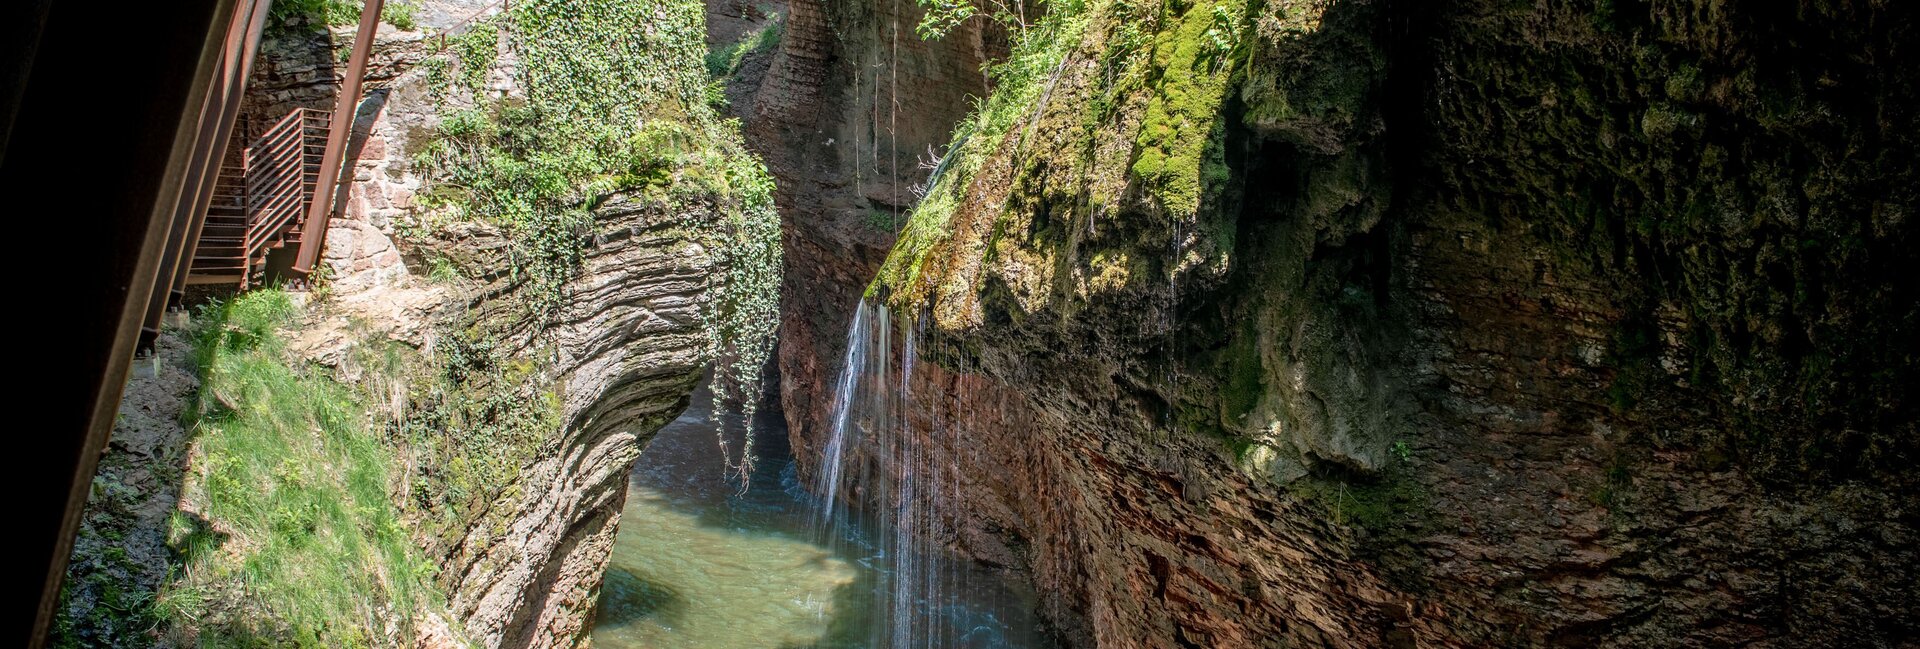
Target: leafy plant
[[1403, 451], [402, 15], [339, 13], [940, 17]]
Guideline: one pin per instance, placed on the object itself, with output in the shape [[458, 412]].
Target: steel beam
[[313, 232], [118, 214]]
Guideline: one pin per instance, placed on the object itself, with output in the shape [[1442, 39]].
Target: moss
[[1245, 383], [1615, 484], [1721, 174], [1374, 506], [1178, 156]]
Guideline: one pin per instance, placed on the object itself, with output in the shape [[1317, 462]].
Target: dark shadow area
[[132, 534], [626, 597]]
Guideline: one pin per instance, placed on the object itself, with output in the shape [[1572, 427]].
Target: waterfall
[[830, 514], [874, 449]]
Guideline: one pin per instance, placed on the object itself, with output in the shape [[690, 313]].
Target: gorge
[[1078, 323]]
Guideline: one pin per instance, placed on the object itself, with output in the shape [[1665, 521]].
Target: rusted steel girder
[[217, 112], [313, 233], [236, 90], [118, 215]]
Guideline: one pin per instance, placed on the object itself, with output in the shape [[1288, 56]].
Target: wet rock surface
[[1509, 326], [844, 113]]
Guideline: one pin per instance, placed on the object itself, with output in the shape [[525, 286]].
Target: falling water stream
[[700, 564]]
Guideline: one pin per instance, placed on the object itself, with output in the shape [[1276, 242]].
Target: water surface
[[700, 564]]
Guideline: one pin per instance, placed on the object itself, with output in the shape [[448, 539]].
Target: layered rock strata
[[1468, 324]]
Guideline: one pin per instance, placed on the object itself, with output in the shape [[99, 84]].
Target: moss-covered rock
[[1536, 263]]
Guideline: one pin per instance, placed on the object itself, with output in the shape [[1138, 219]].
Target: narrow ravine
[[1048, 324], [699, 563]]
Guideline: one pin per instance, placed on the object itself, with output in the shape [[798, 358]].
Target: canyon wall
[[624, 354], [514, 425], [844, 113], [616, 359], [1363, 323]]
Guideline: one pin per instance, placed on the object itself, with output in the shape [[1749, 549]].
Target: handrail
[[279, 176], [469, 21], [277, 184]]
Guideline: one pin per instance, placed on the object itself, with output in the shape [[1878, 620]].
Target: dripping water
[[889, 452]]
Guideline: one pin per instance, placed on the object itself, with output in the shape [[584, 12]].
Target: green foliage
[[402, 15], [310, 550], [881, 220], [476, 414], [322, 12], [442, 270], [615, 100], [940, 17], [724, 61], [339, 13], [1402, 451], [1019, 83], [476, 49]]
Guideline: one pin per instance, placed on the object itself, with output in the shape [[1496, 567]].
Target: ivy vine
[[612, 97]]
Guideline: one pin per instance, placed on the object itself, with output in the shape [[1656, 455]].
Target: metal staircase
[[261, 205]]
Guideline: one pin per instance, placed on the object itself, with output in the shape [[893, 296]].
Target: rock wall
[[622, 355], [625, 352], [1491, 325], [844, 113]]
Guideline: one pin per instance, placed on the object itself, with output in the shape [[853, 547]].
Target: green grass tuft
[[724, 61], [300, 543]]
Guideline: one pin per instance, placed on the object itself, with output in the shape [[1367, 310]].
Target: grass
[[724, 61], [288, 534]]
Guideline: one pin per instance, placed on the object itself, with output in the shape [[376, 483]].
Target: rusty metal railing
[[467, 23], [282, 167]]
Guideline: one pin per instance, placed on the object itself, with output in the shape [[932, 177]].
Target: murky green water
[[699, 565]]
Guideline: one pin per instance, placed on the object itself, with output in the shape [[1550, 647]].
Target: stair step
[[203, 279]]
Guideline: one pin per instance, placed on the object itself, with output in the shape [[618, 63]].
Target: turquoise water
[[699, 564]]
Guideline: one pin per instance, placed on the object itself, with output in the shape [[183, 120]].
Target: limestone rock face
[[628, 349], [622, 354], [1498, 325]]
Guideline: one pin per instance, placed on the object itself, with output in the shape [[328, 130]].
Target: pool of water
[[700, 564]]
